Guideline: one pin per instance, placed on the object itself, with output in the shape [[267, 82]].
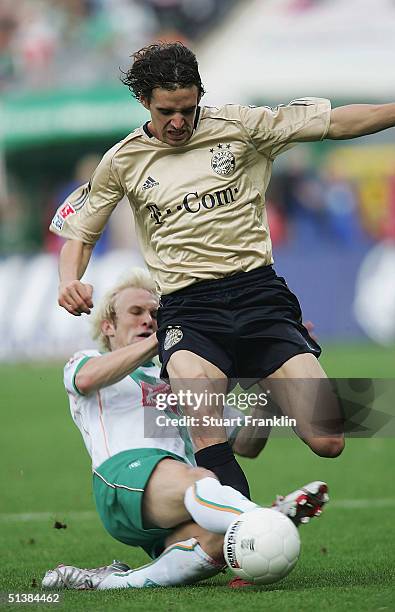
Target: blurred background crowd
[[62, 106], [52, 43]]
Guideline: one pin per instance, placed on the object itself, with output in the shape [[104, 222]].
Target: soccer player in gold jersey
[[196, 179]]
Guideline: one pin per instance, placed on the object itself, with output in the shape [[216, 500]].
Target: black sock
[[220, 459]]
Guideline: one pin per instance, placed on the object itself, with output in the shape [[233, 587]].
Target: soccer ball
[[262, 546]]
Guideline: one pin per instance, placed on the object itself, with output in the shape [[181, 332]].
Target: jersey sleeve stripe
[[79, 366]]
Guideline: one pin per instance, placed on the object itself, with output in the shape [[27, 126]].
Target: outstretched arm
[[356, 120], [81, 218], [74, 296], [99, 372]]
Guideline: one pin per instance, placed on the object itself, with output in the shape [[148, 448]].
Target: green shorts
[[118, 487]]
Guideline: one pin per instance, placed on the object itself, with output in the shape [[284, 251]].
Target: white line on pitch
[[26, 517], [88, 515], [386, 502]]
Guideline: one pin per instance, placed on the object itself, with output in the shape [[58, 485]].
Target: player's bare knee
[[182, 474], [328, 447], [335, 447], [213, 545], [198, 473]]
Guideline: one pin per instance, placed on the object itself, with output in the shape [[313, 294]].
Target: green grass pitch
[[348, 555]]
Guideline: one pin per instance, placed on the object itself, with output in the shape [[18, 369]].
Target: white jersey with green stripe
[[124, 416]]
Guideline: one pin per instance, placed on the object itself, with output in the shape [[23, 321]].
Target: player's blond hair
[[105, 310]]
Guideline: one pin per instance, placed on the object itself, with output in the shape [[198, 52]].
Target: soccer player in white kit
[[147, 488]]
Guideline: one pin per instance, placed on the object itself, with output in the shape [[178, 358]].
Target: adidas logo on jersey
[[149, 183]]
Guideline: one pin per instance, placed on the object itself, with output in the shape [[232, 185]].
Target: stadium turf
[[348, 555]]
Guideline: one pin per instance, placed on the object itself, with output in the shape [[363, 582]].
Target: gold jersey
[[199, 208]]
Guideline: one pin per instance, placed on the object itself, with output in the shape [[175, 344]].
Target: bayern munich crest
[[223, 161], [173, 336]]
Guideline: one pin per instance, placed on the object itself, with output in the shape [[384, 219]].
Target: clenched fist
[[75, 297]]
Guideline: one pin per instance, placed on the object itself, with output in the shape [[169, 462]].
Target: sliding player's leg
[[191, 554], [175, 492]]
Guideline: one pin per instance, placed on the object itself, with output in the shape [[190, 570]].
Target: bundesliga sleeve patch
[[61, 215]]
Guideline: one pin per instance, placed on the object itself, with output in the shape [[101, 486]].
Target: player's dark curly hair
[[166, 65]]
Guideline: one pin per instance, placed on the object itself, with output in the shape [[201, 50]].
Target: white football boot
[[70, 577], [303, 504]]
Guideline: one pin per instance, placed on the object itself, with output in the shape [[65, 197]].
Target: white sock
[[181, 563], [214, 506]]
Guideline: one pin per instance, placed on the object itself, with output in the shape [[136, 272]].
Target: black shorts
[[248, 324]]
